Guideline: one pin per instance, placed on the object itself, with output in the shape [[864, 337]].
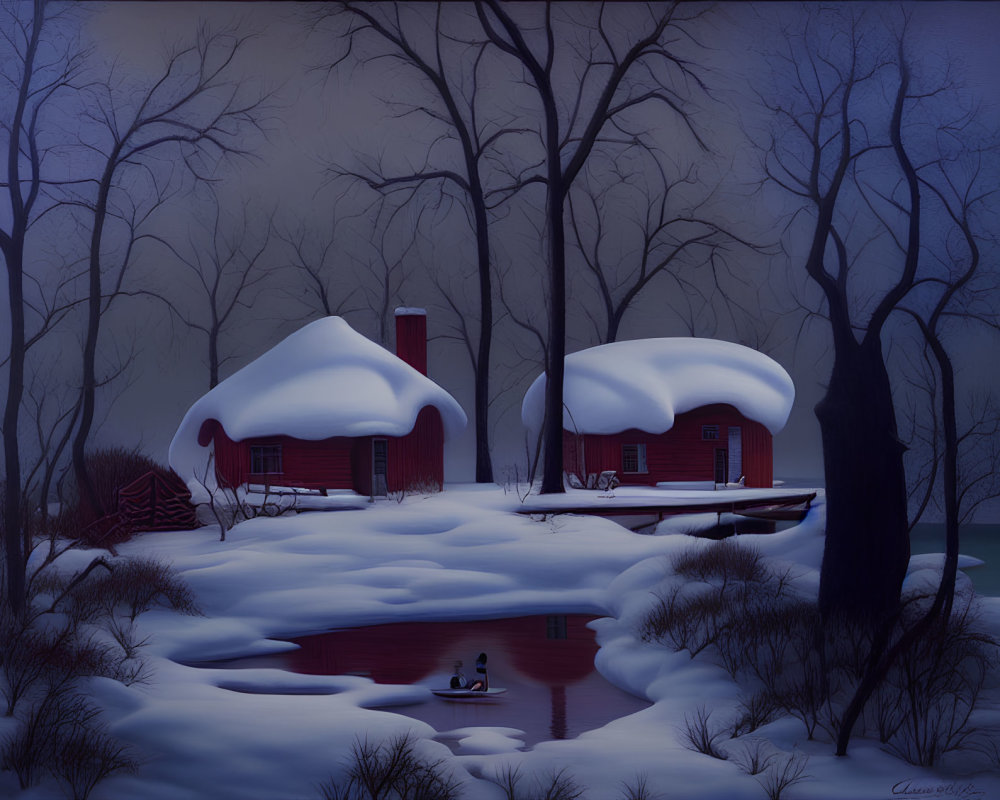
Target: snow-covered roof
[[644, 383], [324, 380]]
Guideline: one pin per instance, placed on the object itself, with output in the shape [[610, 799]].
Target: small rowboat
[[462, 694]]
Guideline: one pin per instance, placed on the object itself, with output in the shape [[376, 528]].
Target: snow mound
[[486, 741], [324, 380], [645, 383], [936, 561]]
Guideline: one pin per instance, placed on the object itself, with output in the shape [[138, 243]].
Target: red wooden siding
[[758, 457], [415, 460], [680, 454]]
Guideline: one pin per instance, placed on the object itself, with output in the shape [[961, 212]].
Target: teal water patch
[[979, 541]]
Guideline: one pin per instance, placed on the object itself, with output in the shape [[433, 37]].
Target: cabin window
[[634, 458], [265, 459], [710, 433]]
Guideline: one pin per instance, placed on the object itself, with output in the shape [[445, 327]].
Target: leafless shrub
[[89, 756], [746, 617], [33, 748], [686, 620], [782, 774], [518, 480], [638, 789], [391, 770], [32, 655], [419, 487], [725, 560], [61, 734], [554, 786], [754, 757], [131, 667], [77, 626], [230, 506], [939, 682], [131, 587], [701, 736], [735, 590], [777, 646], [508, 778], [753, 713]]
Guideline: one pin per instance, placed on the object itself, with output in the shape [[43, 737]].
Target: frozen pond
[[546, 663]]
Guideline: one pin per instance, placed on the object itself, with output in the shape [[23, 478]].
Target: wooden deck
[[785, 506]]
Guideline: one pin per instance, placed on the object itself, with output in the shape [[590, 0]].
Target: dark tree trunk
[[883, 657], [484, 466], [213, 358], [12, 517], [867, 543], [19, 143], [89, 501], [552, 447]]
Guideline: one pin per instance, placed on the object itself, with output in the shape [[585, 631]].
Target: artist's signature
[[911, 789]]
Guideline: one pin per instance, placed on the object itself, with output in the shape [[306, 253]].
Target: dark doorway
[[721, 464], [380, 457]]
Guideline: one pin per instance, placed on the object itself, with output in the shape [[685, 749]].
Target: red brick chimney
[[411, 337]]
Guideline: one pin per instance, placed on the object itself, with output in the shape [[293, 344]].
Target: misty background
[[296, 230]]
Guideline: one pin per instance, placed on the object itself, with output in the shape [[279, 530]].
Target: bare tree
[[634, 224], [37, 69], [226, 261], [834, 149], [450, 65], [195, 109], [313, 255], [616, 66], [386, 260], [956, 289]]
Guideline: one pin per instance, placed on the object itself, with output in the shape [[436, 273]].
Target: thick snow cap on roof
[[324, 380], [644, 383]]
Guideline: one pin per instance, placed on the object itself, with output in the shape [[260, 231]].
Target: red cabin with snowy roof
[[332, 411], [671, 410]]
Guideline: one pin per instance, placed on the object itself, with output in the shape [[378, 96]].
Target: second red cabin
[[669, 411]]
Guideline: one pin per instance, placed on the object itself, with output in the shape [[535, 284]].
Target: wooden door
[[380, 467]]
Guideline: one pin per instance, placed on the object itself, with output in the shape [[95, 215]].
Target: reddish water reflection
[[545, 662]]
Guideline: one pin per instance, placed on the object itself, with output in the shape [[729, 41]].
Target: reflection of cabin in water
[[326, 409], [554, 651], [669, 410]]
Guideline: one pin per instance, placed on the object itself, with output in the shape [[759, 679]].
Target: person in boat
[[482, 681], [458, 680]]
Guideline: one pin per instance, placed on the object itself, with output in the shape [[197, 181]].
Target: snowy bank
[[263, 734]]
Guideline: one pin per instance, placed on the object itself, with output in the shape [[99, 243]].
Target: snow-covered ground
[[461, 554]]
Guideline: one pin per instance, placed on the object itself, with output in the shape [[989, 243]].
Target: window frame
[[711, 433], [642, 466], [266, 455]]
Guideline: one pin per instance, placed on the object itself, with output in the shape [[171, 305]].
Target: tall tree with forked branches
[[40, 65], [617, 60], [435, 43], [194, 111], [858, 123]]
